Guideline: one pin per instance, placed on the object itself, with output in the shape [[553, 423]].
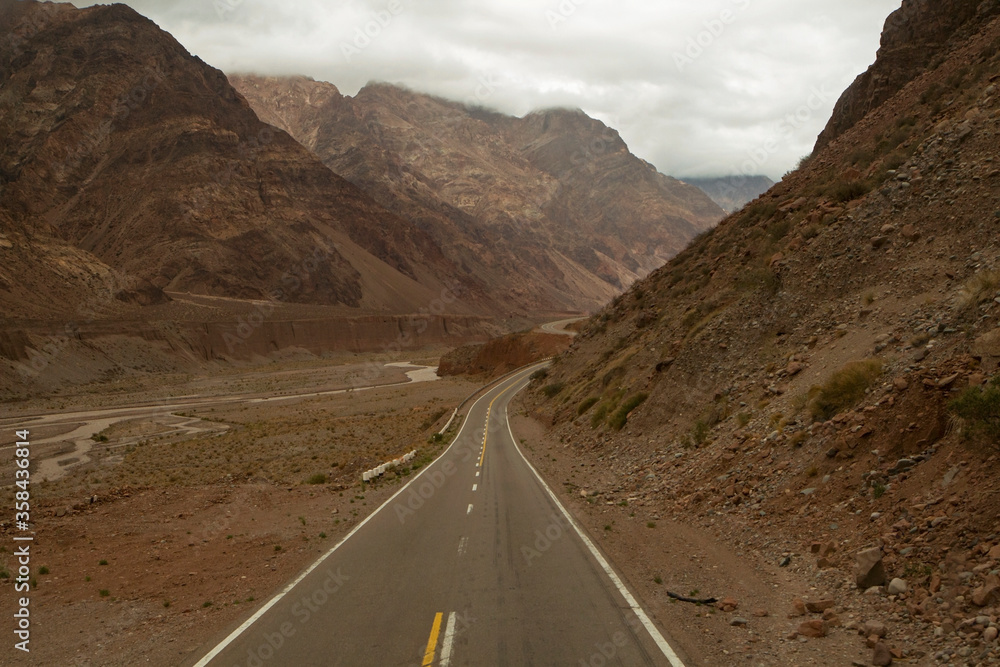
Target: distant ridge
[[732, 193]]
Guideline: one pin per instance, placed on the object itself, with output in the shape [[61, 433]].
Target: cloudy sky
[[697, 87]]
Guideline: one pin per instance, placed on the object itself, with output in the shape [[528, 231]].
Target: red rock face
[[549, 211], [916, 37], [123, 155]]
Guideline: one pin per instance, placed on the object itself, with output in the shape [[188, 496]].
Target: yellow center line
[[432, 641], [486, 430]]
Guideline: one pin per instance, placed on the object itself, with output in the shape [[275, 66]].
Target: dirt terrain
[[502, 355], [162, 537]]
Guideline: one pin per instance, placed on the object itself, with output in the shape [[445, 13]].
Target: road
[[474, 562], [560, 326]]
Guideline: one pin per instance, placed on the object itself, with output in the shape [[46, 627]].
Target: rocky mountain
[[140, 196], [550, 210], [732, 193], [814, 382], [916, 38], [133, 156]]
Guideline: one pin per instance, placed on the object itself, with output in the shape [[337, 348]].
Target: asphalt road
[[560, 326], [472, 563]]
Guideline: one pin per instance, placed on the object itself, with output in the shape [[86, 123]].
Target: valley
[[319, 378]]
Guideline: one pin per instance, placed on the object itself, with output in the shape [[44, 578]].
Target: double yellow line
[[489, 411]]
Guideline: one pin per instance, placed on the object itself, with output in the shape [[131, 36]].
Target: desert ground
[[171, 508]]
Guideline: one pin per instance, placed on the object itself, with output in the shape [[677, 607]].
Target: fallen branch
[[691, 600]]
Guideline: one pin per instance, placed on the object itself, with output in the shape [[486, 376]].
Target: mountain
[[550, 210], [146, 213], [135, 156], [732, 193], [817, 376], [916, 38]]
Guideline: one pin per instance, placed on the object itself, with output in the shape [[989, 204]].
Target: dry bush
[[844, 389]]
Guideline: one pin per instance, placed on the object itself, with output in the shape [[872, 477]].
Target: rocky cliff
[[917, 37], [551, 211]]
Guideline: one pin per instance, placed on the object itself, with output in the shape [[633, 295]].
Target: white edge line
[[273, 601], [449, 638], [651, 628]]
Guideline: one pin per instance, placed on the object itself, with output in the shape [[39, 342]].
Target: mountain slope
[[118, 144], [551, 207], [818, 374]]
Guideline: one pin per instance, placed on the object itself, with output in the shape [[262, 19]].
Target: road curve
[[474, 562], [559, 327]]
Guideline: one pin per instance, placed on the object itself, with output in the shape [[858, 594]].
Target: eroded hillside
[[818, 375], [551, 210]]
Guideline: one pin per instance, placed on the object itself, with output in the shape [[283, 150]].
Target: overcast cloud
[[697, 87]]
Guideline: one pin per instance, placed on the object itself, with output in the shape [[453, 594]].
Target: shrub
[[845, 191], [844, 389], [762, 279], [700, 432], [586, 404], [611, 375], [779, 230], [318, 478], [600, 413], [540, 374], [932, 93], [979, 407], [981, 287], [104, 592], [620, 417], [551, 390]]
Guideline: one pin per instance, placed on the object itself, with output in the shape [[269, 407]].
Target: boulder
[[819, 606], [869, 570], [987, 594], [881, 655], [987, 349], [798, 608], [813, 629], [727, 604], [897, 587], [874, 628], [910, 233]]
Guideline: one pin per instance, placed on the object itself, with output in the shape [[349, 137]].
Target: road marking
[[486, 429], [283, 592], [469, 511], [637, 609], [449, 638], [477, 473], [432, 641], [475, 486], [463, 545]]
